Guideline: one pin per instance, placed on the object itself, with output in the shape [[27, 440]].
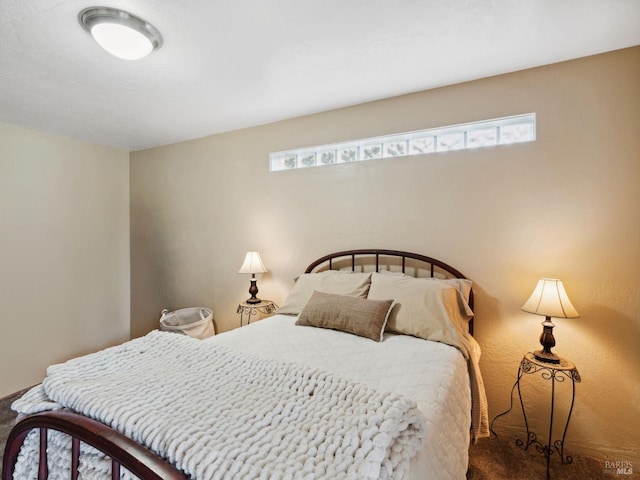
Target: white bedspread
[[224, 414], [433, 374]]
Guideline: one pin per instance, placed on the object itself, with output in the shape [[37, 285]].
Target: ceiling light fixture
[[120, 33]]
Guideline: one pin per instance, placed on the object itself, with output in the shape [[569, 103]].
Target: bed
[[366, 402]]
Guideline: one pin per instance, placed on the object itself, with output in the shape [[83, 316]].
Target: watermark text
[[621, 467]]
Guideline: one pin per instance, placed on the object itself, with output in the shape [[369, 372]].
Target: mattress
[[432, 374]]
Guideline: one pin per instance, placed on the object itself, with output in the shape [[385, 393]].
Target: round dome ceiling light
[[120, 33]]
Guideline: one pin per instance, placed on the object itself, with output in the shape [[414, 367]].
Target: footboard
[[122, 451]]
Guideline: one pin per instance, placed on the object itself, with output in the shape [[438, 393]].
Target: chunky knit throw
[[219, 414]]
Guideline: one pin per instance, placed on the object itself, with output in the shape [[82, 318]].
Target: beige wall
[[64, 252], [565, 206]]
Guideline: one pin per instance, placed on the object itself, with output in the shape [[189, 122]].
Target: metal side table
[[555, 372], [266, 307]]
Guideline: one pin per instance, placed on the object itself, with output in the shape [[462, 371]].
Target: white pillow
[[424, 308], [353, 284]]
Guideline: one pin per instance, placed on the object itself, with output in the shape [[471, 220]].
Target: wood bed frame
[[139, 460]]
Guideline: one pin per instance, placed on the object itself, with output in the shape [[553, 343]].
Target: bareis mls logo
[[618, 468]]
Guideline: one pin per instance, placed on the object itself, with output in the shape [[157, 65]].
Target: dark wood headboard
[[421, 265]]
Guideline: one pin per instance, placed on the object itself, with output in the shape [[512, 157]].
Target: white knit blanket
[[219, 414]]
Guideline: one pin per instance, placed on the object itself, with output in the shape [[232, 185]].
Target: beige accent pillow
[[353, 284], [462, 284], [424, 308], [366, 318]]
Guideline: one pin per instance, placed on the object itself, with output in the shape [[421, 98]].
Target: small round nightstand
[[250, 309], [556, 372]]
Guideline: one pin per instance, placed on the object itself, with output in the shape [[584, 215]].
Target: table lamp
[[549, 299], [253, 264]]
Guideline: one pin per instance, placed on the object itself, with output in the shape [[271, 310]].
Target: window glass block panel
[[283, 161], [370, 151], [520, 132], [275, 162], [307, 159], [327, 157], [291, 161], [482, 137], [498, 131], [419, 145], [396, 148], [349, 154], [450, 141]]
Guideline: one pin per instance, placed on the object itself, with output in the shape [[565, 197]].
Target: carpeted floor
[[7, 419], [499, 458], [7, 416], [490, 459]]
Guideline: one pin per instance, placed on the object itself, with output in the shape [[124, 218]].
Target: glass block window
[[486, 133]]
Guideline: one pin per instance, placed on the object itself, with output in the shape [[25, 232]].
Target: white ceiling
[[229, 64]]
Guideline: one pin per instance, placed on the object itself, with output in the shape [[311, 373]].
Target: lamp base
[[547, 341], [253, 290], [547, 357]]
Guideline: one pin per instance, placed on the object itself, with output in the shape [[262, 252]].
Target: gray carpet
[[489, 459], [7, 416], [7, 419]]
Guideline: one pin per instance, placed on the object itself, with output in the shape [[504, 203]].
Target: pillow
[[353, 284], [424, 308], [462, 284], [360, 316]]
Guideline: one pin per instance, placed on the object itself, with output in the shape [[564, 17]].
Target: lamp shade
[[252, 264], [550, 299]]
